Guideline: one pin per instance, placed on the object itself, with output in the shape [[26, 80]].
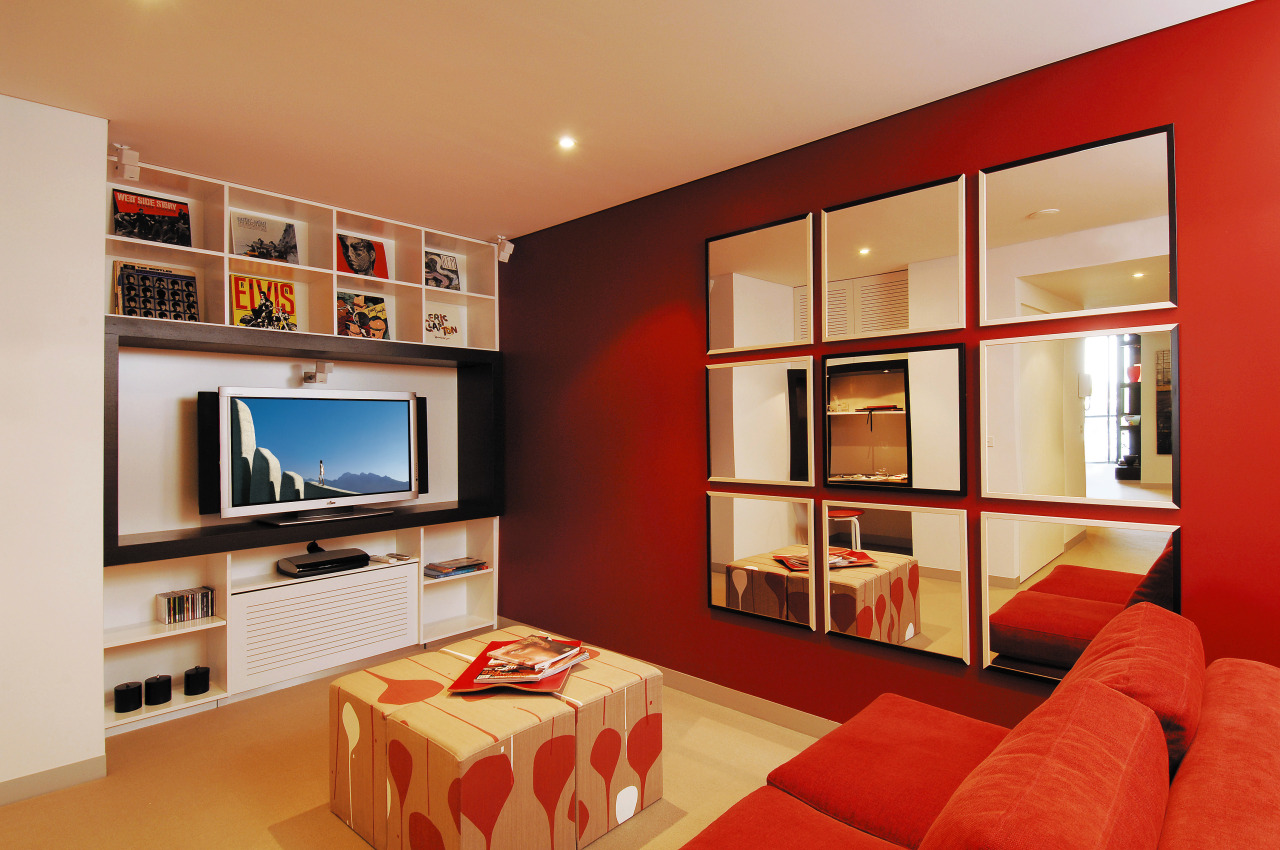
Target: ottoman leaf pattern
[[644, 745], [423, 834], [485, 789], [552, 768]]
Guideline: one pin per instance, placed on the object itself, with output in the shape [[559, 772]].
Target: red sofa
[[1050, 623], [1089, 768]]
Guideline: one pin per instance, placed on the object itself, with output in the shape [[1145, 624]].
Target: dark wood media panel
[[480, 434]]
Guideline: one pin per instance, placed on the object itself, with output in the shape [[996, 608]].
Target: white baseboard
[[35, 784]]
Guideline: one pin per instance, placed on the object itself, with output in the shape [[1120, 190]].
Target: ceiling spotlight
[[1044, 212], [864, 251], [567, 142], [1139, 274]]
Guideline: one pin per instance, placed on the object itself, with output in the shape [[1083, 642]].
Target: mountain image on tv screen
[[293, 449]]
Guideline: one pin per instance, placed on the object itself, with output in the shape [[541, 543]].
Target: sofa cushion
[[1156, 657], [1226, 795], [1162, 584], [768, 817], [1089, 583], [891, 768], [1047, 628], [1086, 769]]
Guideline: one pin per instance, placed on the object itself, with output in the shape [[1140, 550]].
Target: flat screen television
[[285, 456]]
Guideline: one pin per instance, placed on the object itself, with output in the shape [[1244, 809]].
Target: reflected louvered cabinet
[[280, 630]]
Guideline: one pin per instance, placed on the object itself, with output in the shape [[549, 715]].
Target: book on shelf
[[363, 255], [486, 672], [453, 567], [837, 556], [136, 216], [180, 606], [259, 302], [363, 314], [154, 292], [441, 270], [535, 651], [263, 237]]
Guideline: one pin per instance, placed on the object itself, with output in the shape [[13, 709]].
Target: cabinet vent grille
[[868, 305], [285, 632]]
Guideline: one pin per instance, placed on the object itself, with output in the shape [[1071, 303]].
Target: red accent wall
[[603, 325]]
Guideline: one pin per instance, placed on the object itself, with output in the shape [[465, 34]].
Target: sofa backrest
[[1156, 657], [1162, 585], [1087, 769]]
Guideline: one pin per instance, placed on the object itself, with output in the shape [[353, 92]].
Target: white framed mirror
[[760, 287], [894, 263], [1085, 231], [1089, 418], [898, 574], [1049, 584], [760, 549], [894, 419], [758, 421]]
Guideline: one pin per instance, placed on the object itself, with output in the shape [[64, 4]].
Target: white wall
[[763, 311], [53, 216], [933, 293]]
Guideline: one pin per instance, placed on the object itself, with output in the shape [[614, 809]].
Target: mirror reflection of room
[[898, 575], [758, 287], [1051, 584], [894, 264], [758, 421], [1081, 417], [760, 551], [1088, 231], [893, 419]]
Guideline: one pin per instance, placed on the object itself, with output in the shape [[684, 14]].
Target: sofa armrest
[[891, 768], [1226, 794]]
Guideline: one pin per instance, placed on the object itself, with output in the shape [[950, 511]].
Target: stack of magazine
[[453, 567], [530, 659], [837, 557]]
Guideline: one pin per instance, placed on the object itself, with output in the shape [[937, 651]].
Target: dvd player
[[318, 563]]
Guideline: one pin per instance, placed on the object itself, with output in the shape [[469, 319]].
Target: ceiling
[[446, 113]]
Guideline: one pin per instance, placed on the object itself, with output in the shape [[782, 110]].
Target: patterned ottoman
[[413, 766], [760, 585], [880, 602]]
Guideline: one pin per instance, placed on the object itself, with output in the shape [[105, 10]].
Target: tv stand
[[323, 515]]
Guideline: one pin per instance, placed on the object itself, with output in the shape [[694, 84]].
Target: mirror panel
[[1049, 583], [894, 264], [760, 287], [916, 593], [1079, 232], [758, 421], [1088, 418], [752, 539], [893, 419]]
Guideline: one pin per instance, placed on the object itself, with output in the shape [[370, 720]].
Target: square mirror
[[760, 551], [758, 421], [1085, 231], [1051, 583], [759, 287], [894, 264], [898, 575], [1088, 417], [894, 419]]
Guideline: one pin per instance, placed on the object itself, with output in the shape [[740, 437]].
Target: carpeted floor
[[254, 774]]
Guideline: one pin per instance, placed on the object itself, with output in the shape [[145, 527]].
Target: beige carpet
[[253, 774]]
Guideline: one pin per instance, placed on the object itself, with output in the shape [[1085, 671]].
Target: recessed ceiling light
[[567, 142], [1044, 212], [864, 251], [1139, 274]]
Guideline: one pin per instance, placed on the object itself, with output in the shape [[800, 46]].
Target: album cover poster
[[363, 255], [363, 314], [137, 216], [155, 292], [259, 302], [446, 324], [441, 270], [263, 237]]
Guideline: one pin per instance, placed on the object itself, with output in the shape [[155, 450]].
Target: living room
[[604, 341]]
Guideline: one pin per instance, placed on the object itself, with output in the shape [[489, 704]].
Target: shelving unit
[[150, 550], [1129, 402]]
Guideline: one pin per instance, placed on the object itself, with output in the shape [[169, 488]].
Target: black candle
[[195, 681], [128, 697], [159, 690]]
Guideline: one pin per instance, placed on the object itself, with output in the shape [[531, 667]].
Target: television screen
[[298, 450]]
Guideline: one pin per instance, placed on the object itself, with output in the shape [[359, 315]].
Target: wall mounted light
[[127, 167], [320, 375]]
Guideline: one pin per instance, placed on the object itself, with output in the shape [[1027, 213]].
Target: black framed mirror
[[760, 287], [894, 419], [760, 551], [758, 421]]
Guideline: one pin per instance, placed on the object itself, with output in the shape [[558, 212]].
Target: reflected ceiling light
[[1044, 212], [864, 250], [567, 142]]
